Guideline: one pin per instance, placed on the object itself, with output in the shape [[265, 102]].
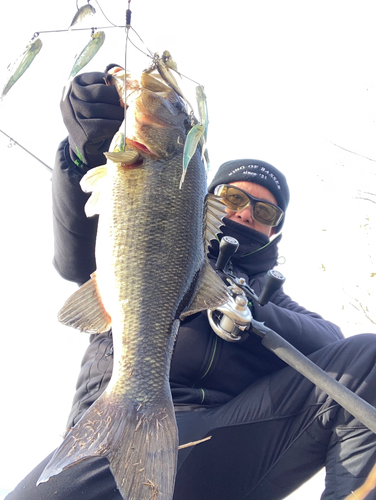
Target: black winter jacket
[[205, 369]]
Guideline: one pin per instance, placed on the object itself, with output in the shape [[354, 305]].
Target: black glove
[[92, 114]]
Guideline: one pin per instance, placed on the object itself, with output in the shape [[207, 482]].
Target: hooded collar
[[256, 253]]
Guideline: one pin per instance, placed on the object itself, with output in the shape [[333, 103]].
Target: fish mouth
[[156, 120], [136, 142], [142, 127], [141, 148], [156, 116]]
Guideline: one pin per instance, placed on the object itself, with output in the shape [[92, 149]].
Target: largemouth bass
[[152, 271]]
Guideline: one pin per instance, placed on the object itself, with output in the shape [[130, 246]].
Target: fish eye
[[178, 105], [170, 149], [187, 125]]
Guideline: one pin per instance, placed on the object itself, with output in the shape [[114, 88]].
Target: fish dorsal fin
[[210, 292], [84, 309], [214, 212], [92, 182]]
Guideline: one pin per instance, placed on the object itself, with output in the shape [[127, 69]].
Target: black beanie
[[255, 171]]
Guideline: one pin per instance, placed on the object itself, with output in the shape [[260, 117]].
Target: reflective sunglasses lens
[[235, 199], [266, 214]]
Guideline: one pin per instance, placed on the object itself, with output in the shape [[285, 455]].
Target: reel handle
[[227, 248], [273, 282]]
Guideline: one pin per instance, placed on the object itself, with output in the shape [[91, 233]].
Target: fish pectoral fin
[[210, 292], [214, 212], [92, 182], [93, 179], [84, 309]]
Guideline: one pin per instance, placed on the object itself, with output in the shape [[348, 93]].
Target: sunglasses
[[236, 200]]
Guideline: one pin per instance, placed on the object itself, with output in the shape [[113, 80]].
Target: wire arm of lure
[[150, 52], [27, 151], [128, 17], [37, 33], [100, 8]]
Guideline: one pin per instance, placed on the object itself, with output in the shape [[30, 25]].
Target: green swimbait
[[87, 54], [22, 63], [83, 12], [190, 146], [204, 121]]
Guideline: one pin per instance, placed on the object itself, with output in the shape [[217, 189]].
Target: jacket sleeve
[[305, 330], [74, 233]]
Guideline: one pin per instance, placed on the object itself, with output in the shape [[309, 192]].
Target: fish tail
[[140, 443]]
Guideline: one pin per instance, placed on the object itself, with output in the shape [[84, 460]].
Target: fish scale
[[142, 253], [151, 273]]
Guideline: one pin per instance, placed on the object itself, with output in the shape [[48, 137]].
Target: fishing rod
[[234, 320], [27, 151]]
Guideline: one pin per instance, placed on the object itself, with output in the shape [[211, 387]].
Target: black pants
[[265, 443]]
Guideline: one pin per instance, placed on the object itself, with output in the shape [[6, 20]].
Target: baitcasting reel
[[231, 320]]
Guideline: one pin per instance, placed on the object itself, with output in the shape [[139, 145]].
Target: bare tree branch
[[364, 310], [352, 152], [365, 199]]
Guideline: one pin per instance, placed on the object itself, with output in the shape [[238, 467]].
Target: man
[[270, 428]]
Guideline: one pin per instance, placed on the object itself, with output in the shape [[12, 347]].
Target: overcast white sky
[[287, 82]]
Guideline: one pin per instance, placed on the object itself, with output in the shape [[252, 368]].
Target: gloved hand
[[92, 114]]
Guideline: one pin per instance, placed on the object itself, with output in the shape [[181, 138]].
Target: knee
[[364, 342], [356, 358], [353, 357]]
